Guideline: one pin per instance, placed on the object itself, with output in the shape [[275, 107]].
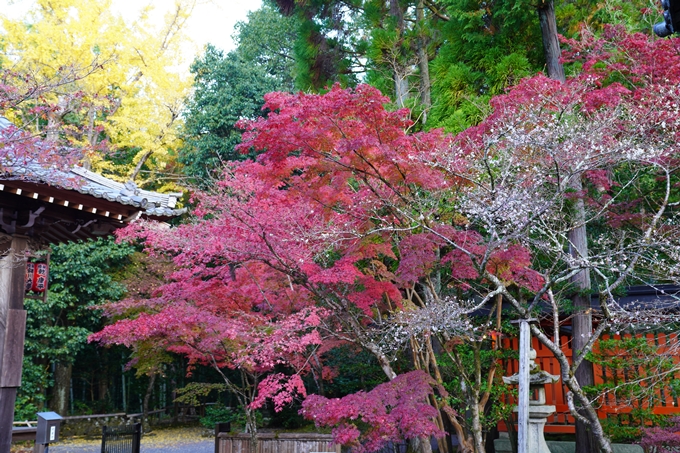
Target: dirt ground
[[170, 440]]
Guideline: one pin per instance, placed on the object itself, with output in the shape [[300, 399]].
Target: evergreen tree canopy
[[231, 87]]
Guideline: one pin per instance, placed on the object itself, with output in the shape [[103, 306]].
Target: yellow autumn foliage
[[129, 91]]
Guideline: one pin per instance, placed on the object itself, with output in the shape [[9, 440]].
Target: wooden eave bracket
[[11, 228]]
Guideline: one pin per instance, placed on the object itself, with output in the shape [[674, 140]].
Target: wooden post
[[523, 397], [220, 428], [12, 330]]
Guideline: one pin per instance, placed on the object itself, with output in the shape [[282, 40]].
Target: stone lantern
[[538, 410]]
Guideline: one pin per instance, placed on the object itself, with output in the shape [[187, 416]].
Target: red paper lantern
[[30, 271], [40, 278]]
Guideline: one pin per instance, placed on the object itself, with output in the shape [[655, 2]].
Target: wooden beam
[[69, 198]]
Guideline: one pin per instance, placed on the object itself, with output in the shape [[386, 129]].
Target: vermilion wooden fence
[[663, 402]]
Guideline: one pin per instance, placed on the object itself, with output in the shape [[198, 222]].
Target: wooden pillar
[[523, 390], [12, 330]]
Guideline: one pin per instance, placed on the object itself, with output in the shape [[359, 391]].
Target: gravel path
[[206, 446], [159, 441]]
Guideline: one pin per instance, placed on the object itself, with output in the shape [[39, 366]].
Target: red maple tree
[[397, 237]]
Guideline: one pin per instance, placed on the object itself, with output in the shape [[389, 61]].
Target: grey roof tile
[[90, 183]]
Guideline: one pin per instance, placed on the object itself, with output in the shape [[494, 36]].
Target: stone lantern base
[[538, 415]]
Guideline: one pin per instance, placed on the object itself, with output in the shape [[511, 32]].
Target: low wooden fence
[[73, 425], [23, 433], [276, 443], [664, 400]]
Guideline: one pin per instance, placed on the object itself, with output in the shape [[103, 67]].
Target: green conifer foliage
[[231, 87], [327, 47], [488, 46]]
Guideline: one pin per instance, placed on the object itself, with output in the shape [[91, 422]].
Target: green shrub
[[223, 414]]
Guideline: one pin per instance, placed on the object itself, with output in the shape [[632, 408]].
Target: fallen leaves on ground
[[156, 438], [173, 436]]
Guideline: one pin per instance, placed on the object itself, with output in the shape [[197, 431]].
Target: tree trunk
[[384, 362], [140, 164], [551, 44], [582, 324], [251, 428], [421, 445], [423, 62], [62, 386], [401, 72], [92, 133], [599, 438], [477, 430], [103, 388], [146, 426], [55, 120]]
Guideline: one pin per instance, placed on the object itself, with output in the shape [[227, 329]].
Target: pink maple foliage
[[662, 439], [281, 389], [395, 411]]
